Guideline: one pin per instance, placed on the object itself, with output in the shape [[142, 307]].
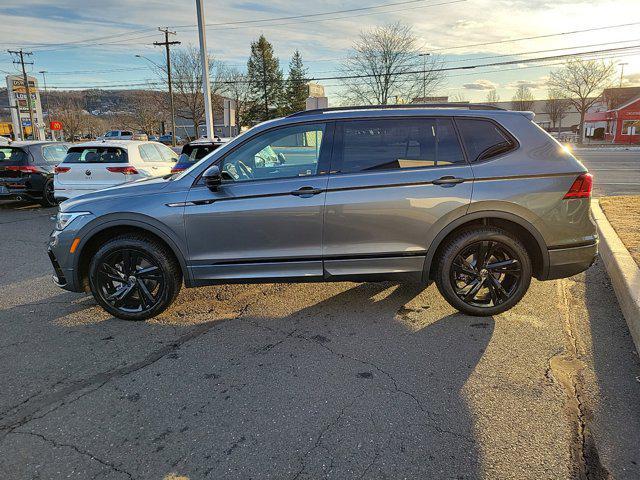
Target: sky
[[83, 43]]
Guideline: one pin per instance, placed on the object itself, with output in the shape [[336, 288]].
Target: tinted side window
[[387, 144], [483, 139], [281, 153]]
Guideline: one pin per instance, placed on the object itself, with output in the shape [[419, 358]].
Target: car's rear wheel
[[134, 278], [48, 199], [483, 271]]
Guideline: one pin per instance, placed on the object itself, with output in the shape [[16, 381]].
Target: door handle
[[448, 180], [306, 192]]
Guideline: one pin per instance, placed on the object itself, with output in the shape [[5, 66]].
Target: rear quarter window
[[96, 155], [483, 139], [54, 154]]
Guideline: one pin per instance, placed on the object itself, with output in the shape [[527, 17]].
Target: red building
[[616, 125]]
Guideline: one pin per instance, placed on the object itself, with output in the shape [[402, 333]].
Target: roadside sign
[[55, 125], [26, 123]]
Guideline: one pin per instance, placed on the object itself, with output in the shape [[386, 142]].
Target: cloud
[[481, 85], [533, 83]]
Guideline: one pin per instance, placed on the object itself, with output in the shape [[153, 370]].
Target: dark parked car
[[477, 199], [196, 150], [27, 168], [166, 139]]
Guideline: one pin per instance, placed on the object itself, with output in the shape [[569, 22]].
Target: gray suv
[[472, 197]]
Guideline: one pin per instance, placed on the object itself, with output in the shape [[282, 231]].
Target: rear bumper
[[566, 262]]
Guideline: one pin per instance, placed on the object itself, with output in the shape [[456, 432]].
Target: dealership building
[[617, 119]]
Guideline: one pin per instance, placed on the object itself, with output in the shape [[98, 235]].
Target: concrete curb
[[623, 272]]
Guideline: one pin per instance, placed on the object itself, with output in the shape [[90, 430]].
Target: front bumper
[[566, 262]]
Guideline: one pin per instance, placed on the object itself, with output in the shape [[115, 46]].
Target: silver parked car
[[475, 198]]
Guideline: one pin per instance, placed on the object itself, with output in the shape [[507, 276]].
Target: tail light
[[581, 187], [128, 170], [177, 169], [59, 169], [23, 168]]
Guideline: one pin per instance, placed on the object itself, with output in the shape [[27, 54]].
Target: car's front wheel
[[134, 277], [483, 271]]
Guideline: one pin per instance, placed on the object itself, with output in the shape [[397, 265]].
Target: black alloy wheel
[[484, 271], [48, 195], [130, 281], [134, 278]]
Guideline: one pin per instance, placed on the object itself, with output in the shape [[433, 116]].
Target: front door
[[265, 220], [392, 179]]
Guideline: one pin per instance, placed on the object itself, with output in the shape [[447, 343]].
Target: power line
[[627, 49]]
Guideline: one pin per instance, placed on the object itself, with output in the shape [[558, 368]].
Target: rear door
[[153, 163], [392, 179], [90, 168], [169, 157]]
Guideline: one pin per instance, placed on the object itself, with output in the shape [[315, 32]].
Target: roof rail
[[468, 106]]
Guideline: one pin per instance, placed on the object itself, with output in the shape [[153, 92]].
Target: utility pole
[[264, 78], [22, 54], [167, 45], [622, 71], [206, 85], [46, 103], [424, 74]]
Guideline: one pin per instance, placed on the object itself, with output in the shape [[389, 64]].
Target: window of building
[[631, 127]]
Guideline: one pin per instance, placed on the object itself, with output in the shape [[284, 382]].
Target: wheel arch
[[524, 230], [93, 235]]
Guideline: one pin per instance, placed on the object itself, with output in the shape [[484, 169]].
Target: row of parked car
[[49, 172]]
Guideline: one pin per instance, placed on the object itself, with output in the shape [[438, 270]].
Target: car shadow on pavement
[[383, 374], [615, 420]]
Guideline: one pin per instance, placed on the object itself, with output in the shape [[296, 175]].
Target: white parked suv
[[96, 165], [117, 135]]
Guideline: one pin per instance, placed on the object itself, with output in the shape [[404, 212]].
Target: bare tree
[[70, 112], [385, 63], [556, 107], [186, 69], [523, 99], [581, 81], [145, 114], [492, 97], [459, 97], [236, 87]]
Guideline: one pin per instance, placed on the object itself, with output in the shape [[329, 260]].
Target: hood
[[129, 189]]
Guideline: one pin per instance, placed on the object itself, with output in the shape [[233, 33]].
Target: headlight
[[63, 219]]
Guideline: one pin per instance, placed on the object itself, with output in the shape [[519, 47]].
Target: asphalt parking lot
[[310, 381], [616, 172]]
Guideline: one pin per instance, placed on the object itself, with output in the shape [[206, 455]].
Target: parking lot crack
[[78, 450]]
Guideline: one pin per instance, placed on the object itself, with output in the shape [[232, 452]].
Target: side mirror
[[212, 178]]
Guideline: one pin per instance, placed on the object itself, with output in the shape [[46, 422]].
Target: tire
[[48, 200], [490, 261], [134, 277]]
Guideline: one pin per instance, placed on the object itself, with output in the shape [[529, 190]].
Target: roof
[[112, 143], [28, 143]]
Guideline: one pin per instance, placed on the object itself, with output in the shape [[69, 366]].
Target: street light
[[424, 75], [173, 110], [46, 105]]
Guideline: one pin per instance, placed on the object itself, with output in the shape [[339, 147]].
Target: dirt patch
[[624, 214]]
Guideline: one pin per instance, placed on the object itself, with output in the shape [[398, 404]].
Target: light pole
[[622, 64], [46, 104], [206, 86], [424, 75], [172, 106]]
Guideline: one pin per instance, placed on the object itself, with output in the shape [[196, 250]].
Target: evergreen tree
[[297, 91], [265, 80]]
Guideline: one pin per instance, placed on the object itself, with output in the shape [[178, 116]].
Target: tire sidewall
[[463, 240], [167, 294]]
